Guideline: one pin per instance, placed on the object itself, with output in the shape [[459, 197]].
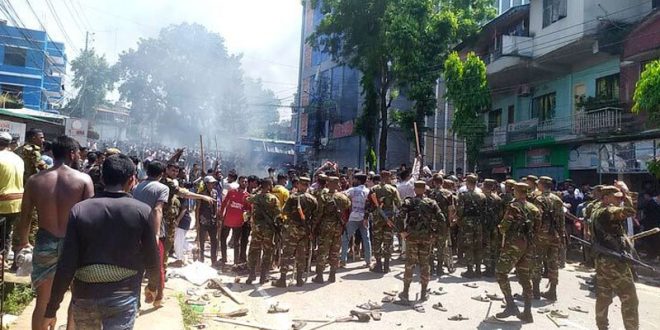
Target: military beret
[[304, 179], [471, 178], [437, 177], [546, 179], [490, 182], [333, 179], [532, 177], [4, 136], [611, 190], [510, 182], [420, 184], [521, 186]]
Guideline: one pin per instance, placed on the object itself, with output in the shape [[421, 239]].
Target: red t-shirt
[[234, 205]]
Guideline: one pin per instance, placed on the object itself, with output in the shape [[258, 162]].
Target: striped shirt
[[358, 196]]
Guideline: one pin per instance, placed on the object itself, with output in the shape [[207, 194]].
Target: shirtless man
[[52, 193]]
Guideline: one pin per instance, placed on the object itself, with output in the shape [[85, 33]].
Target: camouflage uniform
[[387, 197], [265, 210], [329, 226], [422, 219], [492, 218], [440, 249], [517, 228], [31, 155], [170, 215], [297, 232], [470, 211], [613, 276], [548, 241]]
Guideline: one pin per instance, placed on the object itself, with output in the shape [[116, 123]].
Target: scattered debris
[[471, 285], [245, 324], [494, 320], [494, 296], [480, 298], [457, 317], [438, 292], [419, 308], [371, 305], [559, 314], [297, 325], [388, 299], [376, 315], [578, 308], [276, 308], [554, 321], [217, 284], [196, 273], [392, 293], [439, 307]]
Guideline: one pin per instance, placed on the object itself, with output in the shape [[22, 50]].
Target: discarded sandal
[[388, 299], [578, 308], [276, 308], [457, 317], [439, 307], [494, 296], [438, 292], [543, 310], [371, 305], [376, 315], [419, 308], [471, 285], [559, 314], [480, 298], [391, 293]]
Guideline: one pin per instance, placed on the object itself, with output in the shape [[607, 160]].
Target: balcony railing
[[597, 121]]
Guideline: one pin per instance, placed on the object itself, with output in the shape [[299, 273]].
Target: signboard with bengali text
[[15, 129]]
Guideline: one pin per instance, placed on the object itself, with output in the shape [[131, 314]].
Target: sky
[[266, 32]]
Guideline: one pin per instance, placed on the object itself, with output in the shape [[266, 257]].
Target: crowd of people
[[99, 225]]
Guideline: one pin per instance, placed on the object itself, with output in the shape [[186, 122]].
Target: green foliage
[[190, 317], [371, 159], [8, 101], [653, 166], [647, 91], [17, 297], [94, 78], [467, 89]]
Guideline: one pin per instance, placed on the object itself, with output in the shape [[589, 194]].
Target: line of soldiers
[[523, 227]]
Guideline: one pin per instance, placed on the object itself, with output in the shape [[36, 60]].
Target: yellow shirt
[[11, 181], [281, 193]]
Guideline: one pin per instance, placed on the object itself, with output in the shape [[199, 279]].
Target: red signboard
[[342, 129]]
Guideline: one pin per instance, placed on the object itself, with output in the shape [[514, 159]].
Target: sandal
[[494, 296], [471, 285], [275, 308], [457, 317], [376, 315], [438, 292], [439, 307], [419, 308], [578, 308], [388, 299], [480, 298], [543, 310], [559, 314], [391, 292]]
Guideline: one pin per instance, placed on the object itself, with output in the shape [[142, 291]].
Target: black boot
[[281, 282], [424, 295], [439, 271], [477, 272], [551, 294], [536, 291], [386, 265], [510, 310], [378, 268], [263, 277], [299, 279], [432, 266], [319, 276], [526, 316], [251, 277], [331, 277], [404, 294], [469, 273]]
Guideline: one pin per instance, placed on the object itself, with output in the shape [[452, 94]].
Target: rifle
[[379, 208], [618, 255]]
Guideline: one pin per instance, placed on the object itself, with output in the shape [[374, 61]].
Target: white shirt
[[358, 196], [406, 188]]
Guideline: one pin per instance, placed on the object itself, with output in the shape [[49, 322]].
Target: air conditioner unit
[[524, 90]]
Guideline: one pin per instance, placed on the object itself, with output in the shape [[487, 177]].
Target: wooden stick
[[201, 148], [312, 320], [645, 233], [419, 151], [226, 291], [245, 324], [488, 311]]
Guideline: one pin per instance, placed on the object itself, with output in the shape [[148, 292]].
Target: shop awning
[[18, 115]]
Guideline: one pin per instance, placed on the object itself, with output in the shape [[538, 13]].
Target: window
[[579, 95], [655, 3], [510, 115], [14, 92], [494, 119], [543, 107], [15, 56], [607, 88], [553, 10]]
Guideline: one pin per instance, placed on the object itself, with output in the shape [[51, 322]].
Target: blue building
[[32, 68]]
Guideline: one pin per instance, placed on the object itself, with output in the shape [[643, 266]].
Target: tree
[[467, 89], [395, 43], [261, 108], [94, 78], [184, 80], [647, 98]]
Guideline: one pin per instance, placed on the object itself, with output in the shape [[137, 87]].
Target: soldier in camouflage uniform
[[471, 208], [492, 218], [329, 226], [613, 276], [531, 181], [265, 211], [517, 231], [299, 209], [382, 202], [419, 220], [507, 196], [446, 202], [548, 239]]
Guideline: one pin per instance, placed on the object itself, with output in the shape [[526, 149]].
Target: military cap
[[510, 182], [437, 177], [611, 190], [568, 181], [322, 176], [304, 179], [112, 151], [546, 179], [385, 173], [453, 178], [471, 178], [490, 182], [420, 184], [521, 186], [532, 177], [4, 136], [333, 179], [361, 176]]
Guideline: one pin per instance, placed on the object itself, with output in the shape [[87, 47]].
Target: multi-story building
[[329, 102], [560, 89], [32, 68]]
